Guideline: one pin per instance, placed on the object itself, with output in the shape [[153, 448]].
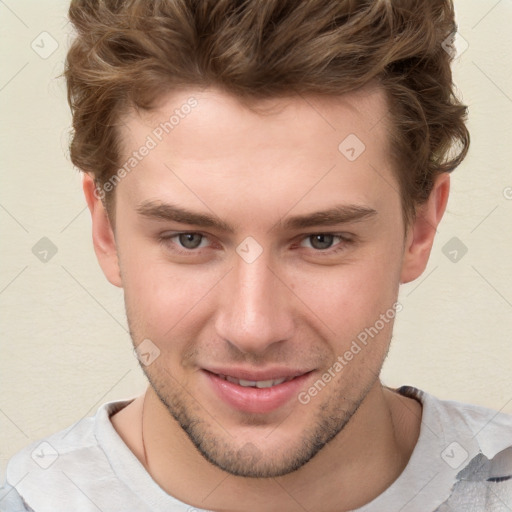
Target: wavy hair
[[128, 53]]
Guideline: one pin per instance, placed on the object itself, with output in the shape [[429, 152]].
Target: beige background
[[65, 349]]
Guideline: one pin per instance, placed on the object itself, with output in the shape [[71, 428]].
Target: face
[[250, 293]]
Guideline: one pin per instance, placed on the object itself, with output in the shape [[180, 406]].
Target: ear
[[420, 234], [102, 233]]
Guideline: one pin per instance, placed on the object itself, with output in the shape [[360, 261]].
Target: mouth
[[257, 392], [260, 384]]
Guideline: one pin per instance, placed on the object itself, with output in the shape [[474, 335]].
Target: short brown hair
[[128, 53]]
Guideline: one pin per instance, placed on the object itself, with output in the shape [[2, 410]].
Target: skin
[[295, 306]]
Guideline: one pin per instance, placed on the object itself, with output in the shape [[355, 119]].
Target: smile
[[255, 383], [248, 392]]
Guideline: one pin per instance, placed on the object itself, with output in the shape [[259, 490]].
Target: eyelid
[[346, 239], [343, 236], [169, 235]]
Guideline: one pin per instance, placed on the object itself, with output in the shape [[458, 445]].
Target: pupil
[[325, 241]]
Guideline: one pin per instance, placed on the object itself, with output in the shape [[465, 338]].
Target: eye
[[322, 242], [185, 242], [191, 243], [190, 240]]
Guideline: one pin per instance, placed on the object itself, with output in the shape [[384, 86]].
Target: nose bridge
[[254, 310]]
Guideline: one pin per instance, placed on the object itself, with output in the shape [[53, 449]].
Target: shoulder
[[475, 443], [489, 429], [46, 468], [62, 445]]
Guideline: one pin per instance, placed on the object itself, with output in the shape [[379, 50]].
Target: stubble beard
[[250, 461]]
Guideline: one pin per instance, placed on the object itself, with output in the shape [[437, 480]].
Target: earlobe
[[102, 233], [420, 235]]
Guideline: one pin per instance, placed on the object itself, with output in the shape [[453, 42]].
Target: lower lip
[[256, 400]]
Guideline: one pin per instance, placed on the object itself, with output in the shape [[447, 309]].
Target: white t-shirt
[[462, 462]]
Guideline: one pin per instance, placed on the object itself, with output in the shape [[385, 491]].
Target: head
[[313, 141]]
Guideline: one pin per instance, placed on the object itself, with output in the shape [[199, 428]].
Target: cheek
[[164, 298], [161, 296], [351, 297]]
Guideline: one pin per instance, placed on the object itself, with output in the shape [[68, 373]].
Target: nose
[[255, 307]]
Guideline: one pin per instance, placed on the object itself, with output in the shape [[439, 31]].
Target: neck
[[353, 469]]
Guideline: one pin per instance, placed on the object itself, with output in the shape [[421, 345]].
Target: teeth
[[255, 383], [265, 384], [247, 383]]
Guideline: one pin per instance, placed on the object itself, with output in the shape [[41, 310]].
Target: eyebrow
[[339, 214]]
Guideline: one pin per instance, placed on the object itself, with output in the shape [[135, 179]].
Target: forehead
[[298, 148], [213, 114]]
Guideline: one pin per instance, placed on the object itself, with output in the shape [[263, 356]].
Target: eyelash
[[165, 239]]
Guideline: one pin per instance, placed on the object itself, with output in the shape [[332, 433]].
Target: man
[[262, 176]]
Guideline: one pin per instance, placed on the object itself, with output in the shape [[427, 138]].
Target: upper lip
[[273, 373]]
